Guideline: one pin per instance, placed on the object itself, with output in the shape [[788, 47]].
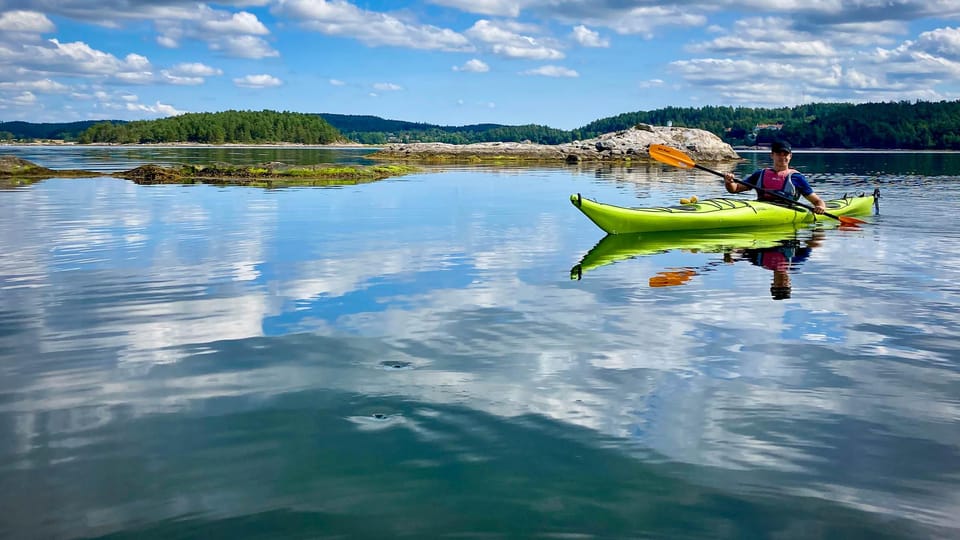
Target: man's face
[[781, 159]]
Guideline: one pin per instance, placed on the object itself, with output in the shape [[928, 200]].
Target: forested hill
[[218, 128], [901, 125], [28, 130], [376, 130]]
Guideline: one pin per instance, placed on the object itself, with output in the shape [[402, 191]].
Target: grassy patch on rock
[[14, 168], [267, 175]]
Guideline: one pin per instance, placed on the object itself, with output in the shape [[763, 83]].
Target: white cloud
[[189, 73], [257, 81], [236, 23], [387, 87], [340, 18], [766, 48], [25, 22], [501, 8], [588, 38], [24, 99], [505, 42], [77, 59], [859, 34], [117, 103], [161, 109], [233, 34], [337, 82], [243, 47], [46, 86], [473, 66], [552, 71], [195, 69], [639, 20], [943, 42]]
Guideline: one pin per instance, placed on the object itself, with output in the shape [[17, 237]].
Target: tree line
[[217, 128], [890, 125]]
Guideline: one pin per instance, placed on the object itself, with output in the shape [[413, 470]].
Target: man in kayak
[[779, 180]]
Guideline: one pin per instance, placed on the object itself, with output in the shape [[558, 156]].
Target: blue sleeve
[[754, 179], [800, 181], [800, 255]]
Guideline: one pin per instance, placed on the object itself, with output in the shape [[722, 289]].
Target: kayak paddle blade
[[850, 221], [672, 278], [671, 156]]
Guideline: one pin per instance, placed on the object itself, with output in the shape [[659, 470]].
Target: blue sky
[[561, 63]]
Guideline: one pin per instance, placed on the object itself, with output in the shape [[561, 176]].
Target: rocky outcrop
[[15, 167], [624, 145]]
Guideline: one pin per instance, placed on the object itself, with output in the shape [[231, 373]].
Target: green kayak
[[712, 214]]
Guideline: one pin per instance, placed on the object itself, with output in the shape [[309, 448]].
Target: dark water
[[411, 358]]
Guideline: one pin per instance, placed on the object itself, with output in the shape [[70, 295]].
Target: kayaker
[[779, 179]]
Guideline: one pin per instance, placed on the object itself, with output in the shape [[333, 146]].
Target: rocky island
[[620, 146], [14, 170]]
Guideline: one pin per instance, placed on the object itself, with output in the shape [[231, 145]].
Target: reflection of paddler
[[780, 260]]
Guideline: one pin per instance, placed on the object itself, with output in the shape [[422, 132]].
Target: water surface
[[411, 358]]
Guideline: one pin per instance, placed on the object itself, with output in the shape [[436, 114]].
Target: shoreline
[[339, 146], [374, 147]]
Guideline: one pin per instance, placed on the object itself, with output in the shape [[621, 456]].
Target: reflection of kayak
[[710, 214], [617, 247]]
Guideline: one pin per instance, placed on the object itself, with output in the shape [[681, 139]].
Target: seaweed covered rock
[[152, 174], [14, 166]]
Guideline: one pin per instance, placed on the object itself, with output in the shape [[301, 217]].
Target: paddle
[[676, 158]]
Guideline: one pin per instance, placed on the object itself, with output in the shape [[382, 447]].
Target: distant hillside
[[376, 130], [28, 131]]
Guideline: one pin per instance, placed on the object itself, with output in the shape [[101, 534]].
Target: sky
[[559, 63]]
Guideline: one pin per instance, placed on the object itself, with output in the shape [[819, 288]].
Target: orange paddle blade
[[672, 278], [850, 221], [671, 156]]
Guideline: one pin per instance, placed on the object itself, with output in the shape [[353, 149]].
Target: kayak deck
[[710, 214]]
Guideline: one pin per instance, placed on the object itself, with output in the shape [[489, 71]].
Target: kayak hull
[[711, 214]]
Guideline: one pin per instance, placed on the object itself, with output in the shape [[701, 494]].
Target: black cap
[[781, 146]]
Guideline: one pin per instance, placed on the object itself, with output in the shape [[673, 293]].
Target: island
[[14, 170]]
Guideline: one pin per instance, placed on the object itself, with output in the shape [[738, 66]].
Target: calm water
[[411, 358]]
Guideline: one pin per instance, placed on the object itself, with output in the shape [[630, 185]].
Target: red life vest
[[775, 260], [778, 182]]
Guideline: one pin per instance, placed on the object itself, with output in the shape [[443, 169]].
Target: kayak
[[712, 214], [617, 247]]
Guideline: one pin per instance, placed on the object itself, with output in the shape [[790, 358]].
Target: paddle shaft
[[768, 192]]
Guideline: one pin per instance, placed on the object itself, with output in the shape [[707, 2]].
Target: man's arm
[[818, 205], [800, 181], [729, 182]]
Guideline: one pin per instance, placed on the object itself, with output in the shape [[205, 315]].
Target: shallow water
[[412, 358]]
